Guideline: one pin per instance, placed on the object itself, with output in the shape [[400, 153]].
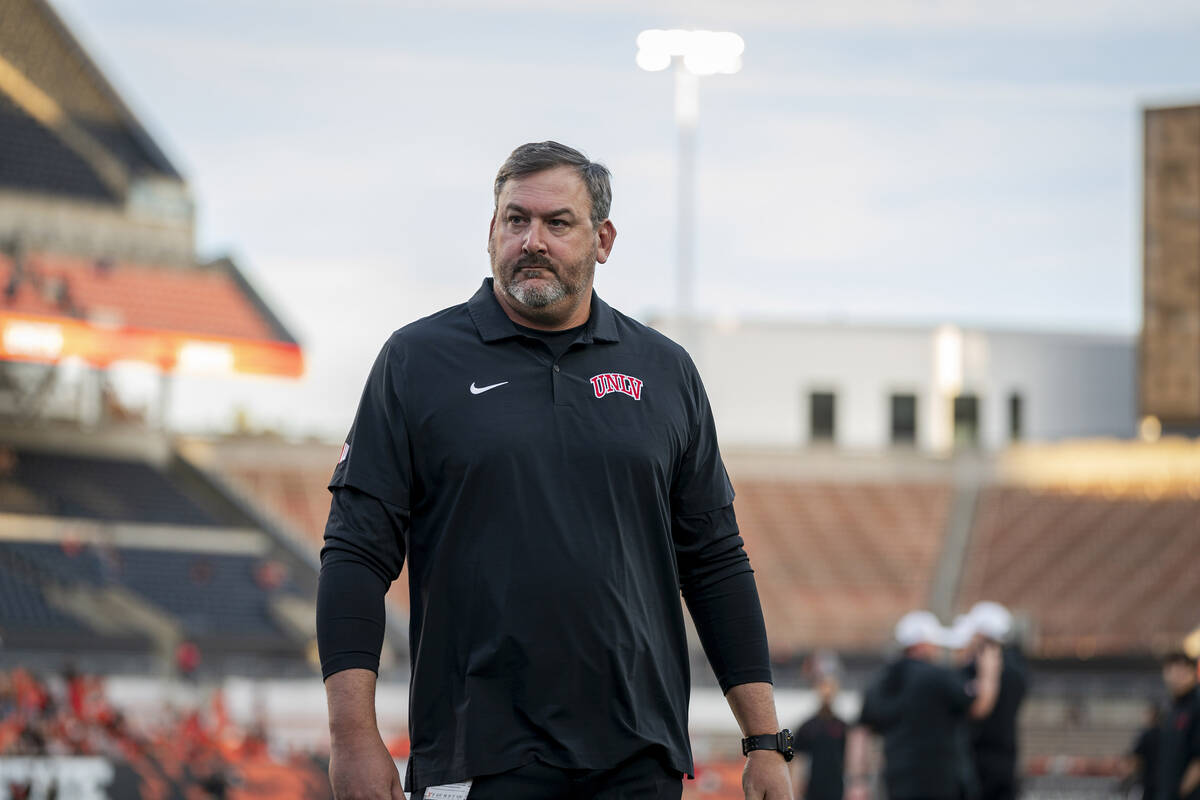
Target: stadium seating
[[296, 493], [209, 593], [1065, 561], [98, 488], [203, 301], [209, 579], [24, 608], [37, 160], [836, 563], [37, 44]]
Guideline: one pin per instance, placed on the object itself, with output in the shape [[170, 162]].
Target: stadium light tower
[[694, 55]]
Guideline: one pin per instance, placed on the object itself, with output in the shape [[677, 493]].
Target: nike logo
[[481, 389]]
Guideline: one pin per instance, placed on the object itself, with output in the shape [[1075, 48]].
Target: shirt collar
[[494, 325]]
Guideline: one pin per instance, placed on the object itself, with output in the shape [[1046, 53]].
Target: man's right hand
[[361, 768]]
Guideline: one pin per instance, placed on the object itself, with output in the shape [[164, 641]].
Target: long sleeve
[[718, 585], [363, 553]]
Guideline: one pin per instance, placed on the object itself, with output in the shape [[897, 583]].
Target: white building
[[866, 387]]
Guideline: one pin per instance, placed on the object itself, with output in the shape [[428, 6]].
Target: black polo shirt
[[921, 710], [541, 494], [1178, 745], [823, 738]]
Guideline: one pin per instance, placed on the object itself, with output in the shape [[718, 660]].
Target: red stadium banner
[[40, 339]]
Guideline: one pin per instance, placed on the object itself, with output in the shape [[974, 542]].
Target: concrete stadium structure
[[930, 388]]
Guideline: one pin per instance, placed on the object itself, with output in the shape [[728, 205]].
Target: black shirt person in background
[[1179, 739], [551, 499], [993, 738], [918, 705], [1141, 765], [822, 738]]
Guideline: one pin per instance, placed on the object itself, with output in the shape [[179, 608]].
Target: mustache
[[533, 260]]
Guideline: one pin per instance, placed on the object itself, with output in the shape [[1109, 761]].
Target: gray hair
[[538, 156]]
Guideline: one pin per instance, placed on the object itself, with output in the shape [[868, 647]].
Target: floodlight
[[653, 60], [694, 54], [703, 52]]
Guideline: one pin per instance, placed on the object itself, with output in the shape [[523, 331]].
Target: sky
[[970, 161]]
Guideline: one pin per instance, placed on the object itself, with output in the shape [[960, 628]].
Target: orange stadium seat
[[1066, 562], [836, 563], [203, 301]]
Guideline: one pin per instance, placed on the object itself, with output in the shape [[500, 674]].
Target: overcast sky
[[975, 162]]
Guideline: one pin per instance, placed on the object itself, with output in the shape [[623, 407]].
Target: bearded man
[[549, 469]]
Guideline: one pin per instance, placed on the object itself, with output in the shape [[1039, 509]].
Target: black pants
[[997, 776], [642, 777]]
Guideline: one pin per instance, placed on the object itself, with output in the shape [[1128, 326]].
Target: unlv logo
[[607, 382]]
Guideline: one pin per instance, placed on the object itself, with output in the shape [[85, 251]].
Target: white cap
[[958, 635], [991, 620], [919, 627]]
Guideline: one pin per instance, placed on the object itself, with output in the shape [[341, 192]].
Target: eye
[[515, 219], [558, 223]]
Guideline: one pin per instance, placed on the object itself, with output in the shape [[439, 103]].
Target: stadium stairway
[[959, 523], [115, 611]]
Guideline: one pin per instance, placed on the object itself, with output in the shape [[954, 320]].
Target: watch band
[[781, 742]]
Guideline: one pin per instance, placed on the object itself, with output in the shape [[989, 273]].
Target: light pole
[[694, 54]]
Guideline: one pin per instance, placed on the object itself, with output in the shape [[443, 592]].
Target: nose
[[534, 241]]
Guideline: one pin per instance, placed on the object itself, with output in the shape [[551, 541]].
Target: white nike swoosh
[[482, 389]]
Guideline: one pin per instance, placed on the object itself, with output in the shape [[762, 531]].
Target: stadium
[[158, 590]]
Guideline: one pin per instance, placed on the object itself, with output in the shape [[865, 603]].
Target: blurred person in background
[[822, 738], [550, 513], [993, 738], [1140, 767], [958, 643], [919, 704], [1179, 737]]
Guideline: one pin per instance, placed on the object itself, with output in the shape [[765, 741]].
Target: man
[[1140, 765], [994, 737], [1179, 735], [823, 739], [549, 468], [919, 706]]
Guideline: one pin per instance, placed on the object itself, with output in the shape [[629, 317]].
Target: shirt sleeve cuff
[[346, 661], [757, 675]]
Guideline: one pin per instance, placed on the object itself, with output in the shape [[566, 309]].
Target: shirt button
[[556, 369]]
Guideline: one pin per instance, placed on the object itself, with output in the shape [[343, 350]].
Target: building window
[[966, 420], [1016, 417], [904, 419], [821, 418]]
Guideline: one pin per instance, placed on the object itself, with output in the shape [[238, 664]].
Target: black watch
[[781, 741]]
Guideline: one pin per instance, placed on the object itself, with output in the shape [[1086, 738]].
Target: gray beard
[[539, 297]]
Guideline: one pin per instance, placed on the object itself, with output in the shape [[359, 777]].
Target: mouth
[[532, 272]]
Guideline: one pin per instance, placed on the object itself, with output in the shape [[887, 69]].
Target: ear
[[606, 234]]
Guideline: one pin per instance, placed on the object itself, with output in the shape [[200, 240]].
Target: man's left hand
[[766, 776]]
